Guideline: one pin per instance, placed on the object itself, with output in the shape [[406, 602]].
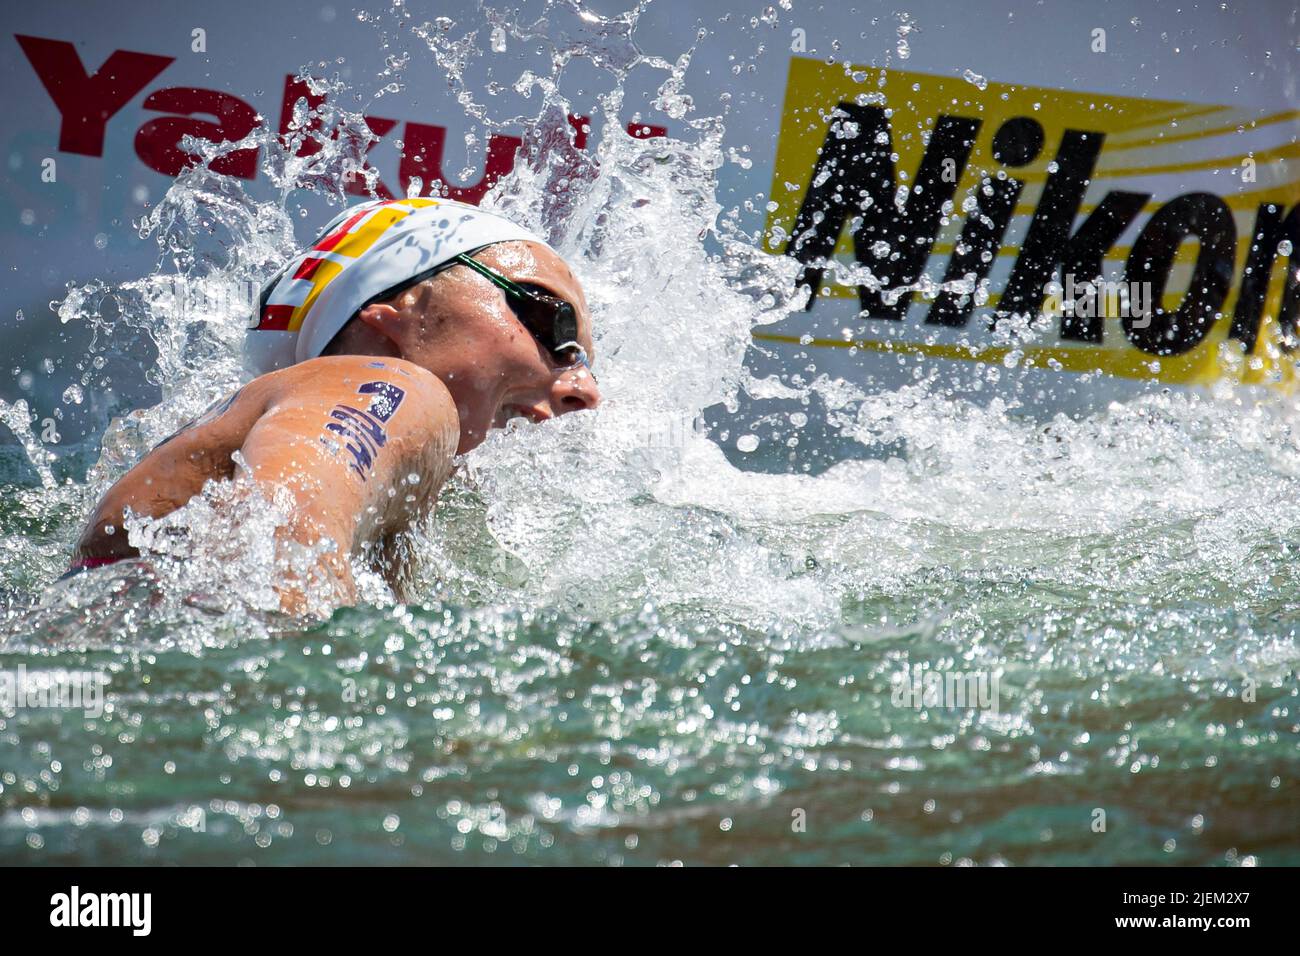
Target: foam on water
[[626, 648]]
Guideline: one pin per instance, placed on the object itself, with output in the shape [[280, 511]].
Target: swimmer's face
[[460, 326]]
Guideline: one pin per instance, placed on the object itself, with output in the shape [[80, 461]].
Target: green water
[[445, 733]]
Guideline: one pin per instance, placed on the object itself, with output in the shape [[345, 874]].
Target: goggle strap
[[491, 274]]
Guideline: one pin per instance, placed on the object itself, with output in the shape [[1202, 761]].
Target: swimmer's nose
[[575, 391]]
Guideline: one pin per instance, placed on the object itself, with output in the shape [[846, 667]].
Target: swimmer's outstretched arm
[[363, 446]]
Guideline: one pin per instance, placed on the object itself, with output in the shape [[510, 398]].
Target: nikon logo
[[1157, 189]]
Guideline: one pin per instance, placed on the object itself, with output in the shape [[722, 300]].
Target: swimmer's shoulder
[[332, 375], [405, 405], [321, 383], [413, 403], [328, 368]]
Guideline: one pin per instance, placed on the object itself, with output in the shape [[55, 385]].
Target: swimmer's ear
[[383, 318]]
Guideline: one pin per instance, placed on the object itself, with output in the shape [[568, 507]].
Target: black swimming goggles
[[551, 321]]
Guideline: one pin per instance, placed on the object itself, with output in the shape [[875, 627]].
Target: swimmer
[[407, 331]]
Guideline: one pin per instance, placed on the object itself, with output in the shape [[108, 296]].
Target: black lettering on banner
[[1207, 217], [1270, 229], [855, 176], [1087, 249], [1048, 242], [1017, 143]]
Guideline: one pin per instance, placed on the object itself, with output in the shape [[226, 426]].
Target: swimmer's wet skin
[[387, 352]]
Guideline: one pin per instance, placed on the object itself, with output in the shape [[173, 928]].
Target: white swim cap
[[365, 251]]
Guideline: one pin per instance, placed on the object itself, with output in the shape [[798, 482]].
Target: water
[[629, 650]]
